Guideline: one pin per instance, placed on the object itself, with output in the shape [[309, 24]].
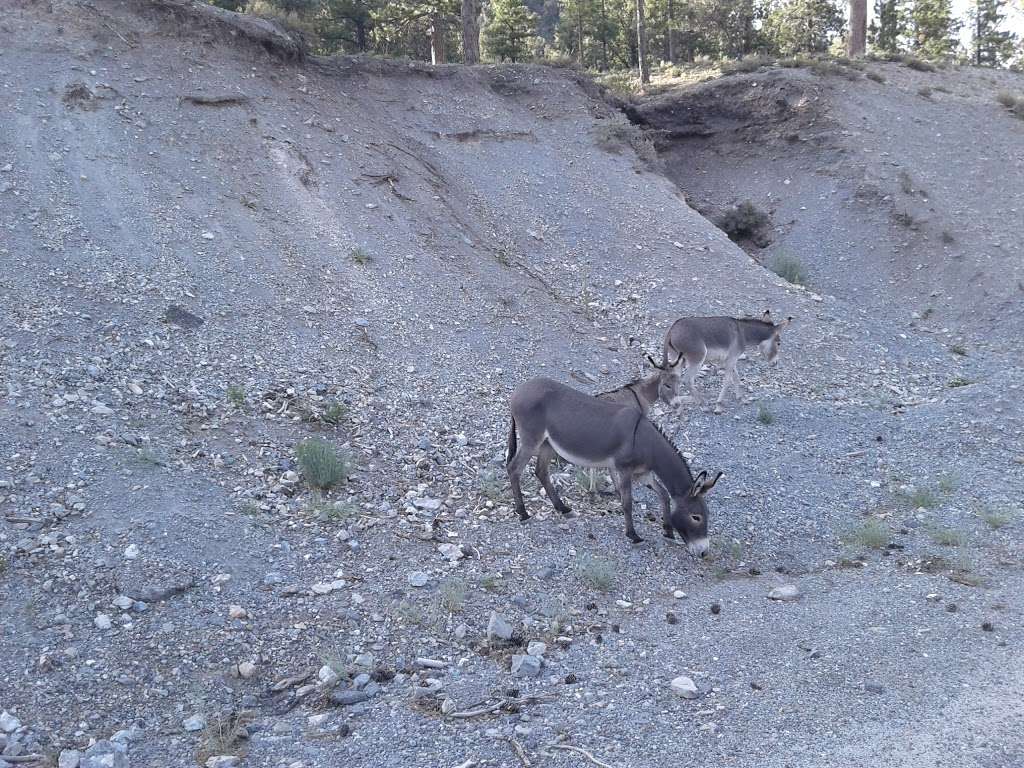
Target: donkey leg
[[666, 509], [692, 372], [736, 381], [544, 457], [515, 466], [625, 482]]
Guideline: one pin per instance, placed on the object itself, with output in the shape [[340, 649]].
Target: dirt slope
[[210, 253], [903, 195]]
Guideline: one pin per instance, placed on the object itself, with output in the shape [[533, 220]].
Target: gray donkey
[[719, 340], [553, 419]]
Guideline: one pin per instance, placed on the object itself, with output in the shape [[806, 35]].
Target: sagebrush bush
[[597, 572], [746, 64], [322, 466], [746, 222]]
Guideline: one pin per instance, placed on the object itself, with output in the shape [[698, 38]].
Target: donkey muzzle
[[698, 548]]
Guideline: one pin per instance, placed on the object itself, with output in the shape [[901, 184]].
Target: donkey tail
[[513, 443]]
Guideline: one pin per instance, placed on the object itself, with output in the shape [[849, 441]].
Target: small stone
[[347, 698], [872, 687], [461, 631], [448, 706], [105, 754], [195, 723], [247, 670], [69, 758], [101, 410], [498, 628], [102, 621], [223, 761], [547, 572], [207, 235], [785, 593], [671, 618], [685, 688], [951, 608], [131, 552], [8, 722], [360, 681], [318, 721], [273, 578], [987, 626], [123, 602], [678, 594], [364, 660], [716, 608], [570, 679], [237, 612], [525, 665], [536, 648], [418, 579]]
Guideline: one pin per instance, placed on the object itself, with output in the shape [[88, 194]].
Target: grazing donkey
[[719, 340], [553, 419]]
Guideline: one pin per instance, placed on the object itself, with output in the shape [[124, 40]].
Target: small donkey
[[719, 340], [553, 419]]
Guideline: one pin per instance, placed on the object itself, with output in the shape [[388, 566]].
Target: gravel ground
[[210, 255]]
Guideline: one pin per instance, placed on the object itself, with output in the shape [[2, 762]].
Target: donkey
[[553, 419], [719, 340]]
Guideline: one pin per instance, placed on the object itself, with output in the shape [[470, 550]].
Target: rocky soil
[[212, 254]]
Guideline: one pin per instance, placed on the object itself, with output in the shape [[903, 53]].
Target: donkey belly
[[576, 458]]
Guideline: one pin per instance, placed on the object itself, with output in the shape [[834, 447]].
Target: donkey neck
[[755, 331], [664, 460], [646, 390]]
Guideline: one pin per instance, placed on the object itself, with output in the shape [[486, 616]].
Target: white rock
[[131, 552], [247, 670], [316, 721], [498, 628], [101, 410], [102, 621], [223, 761], [123, 602], [8, 722], [69, 758], [536, 648], [207, 235], [237, 612], [418, 579], [787, 592], [679, 594], [525, 665], [451, 551], [327, 675], [684, 687], [194, 723]]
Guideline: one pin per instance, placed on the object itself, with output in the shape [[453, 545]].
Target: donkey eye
[[696, 518]]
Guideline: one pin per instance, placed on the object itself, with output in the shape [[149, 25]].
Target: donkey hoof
[[523, 517], [670, 535], [635, 539], [718, 410], [566, 511]]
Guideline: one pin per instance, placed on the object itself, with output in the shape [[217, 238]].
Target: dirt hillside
[[212, 250]]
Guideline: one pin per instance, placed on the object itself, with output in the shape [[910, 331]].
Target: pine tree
[[934, 28], [508, 31], [992, 46], [798, 26], [889, 25]]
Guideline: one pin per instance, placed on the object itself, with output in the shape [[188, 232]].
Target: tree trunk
[[579, 31], [856, 43], [671, 31], [470, 31], [604, 36], [437, 53], [641, 44]]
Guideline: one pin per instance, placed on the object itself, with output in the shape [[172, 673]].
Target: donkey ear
[[767, 315], [784, 323], [708, 485], [652, 362], [698, 483]]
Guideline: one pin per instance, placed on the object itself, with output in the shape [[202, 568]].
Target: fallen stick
[[489, 710], [520, 752], [582, 751], [12, 759]]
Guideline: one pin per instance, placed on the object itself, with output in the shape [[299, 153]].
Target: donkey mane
[[675, 449]]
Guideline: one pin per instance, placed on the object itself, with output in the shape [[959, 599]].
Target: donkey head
[[668, 379], [690, 515], [770, 346]]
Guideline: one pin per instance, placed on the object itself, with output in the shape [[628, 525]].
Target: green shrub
[[872, 533], [322, 466], [598, 572], [789, 268], [764, 415]]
